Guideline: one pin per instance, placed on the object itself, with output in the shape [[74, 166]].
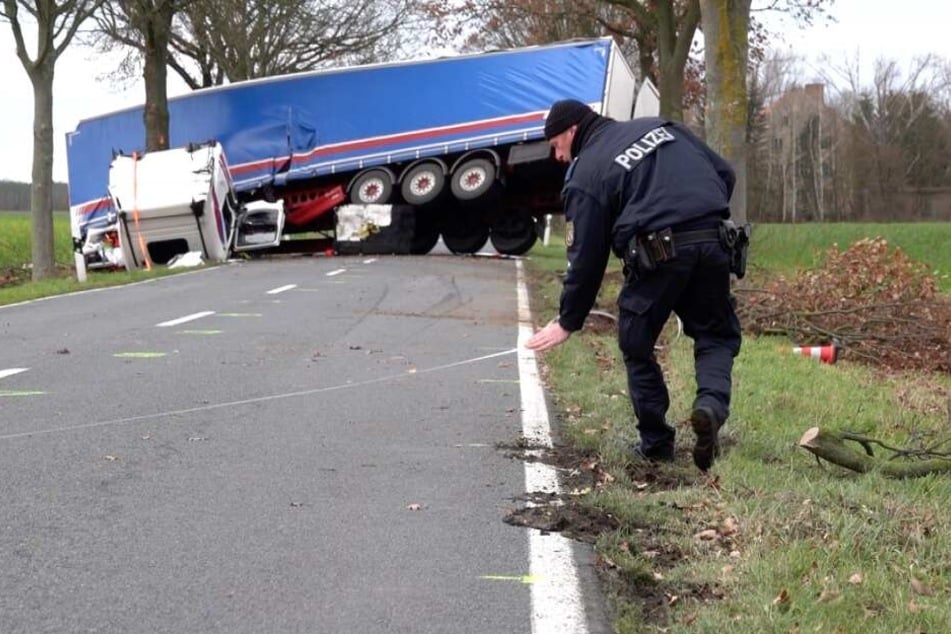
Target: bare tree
[[771, 80], [657, 34], [56, 25], [244, 39], [900, 135], [207, 43]]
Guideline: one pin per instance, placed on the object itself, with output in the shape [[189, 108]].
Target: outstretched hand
[[548, 337]]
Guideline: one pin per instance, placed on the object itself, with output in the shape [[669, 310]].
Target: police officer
[[653, 193]]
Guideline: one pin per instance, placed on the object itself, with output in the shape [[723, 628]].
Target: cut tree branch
[[830, 446]]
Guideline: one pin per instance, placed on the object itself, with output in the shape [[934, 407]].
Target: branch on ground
[[831, 446]]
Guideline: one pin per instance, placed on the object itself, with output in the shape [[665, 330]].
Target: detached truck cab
[[450, 148]]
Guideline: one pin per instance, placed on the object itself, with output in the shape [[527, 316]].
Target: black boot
[[705, 426]]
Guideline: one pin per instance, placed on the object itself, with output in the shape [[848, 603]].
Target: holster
[[736, 241], [644, 252]]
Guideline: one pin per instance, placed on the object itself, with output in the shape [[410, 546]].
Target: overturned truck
[[385, 158]]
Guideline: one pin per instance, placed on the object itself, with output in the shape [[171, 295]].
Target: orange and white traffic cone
[[824, 354]]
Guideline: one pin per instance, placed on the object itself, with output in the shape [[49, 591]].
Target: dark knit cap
[[563, 115]]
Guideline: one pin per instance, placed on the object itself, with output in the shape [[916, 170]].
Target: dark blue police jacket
[[630, 178]]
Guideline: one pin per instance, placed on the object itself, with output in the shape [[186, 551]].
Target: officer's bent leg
[[709, 319]]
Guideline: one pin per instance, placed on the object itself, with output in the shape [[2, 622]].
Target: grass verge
[[15, 256], [770, 541]]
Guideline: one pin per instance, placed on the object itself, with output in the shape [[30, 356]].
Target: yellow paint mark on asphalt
[[139, 355], [21, 393], [519, 578]]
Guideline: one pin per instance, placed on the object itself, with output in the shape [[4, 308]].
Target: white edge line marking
[[281, 289], [11, 372], [557, 607], [370, 261], [337, 272], [186, 318]]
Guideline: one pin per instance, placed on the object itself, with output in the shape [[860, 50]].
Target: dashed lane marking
[[185, 319], [240, 315], [4, 393], [281, 289], [200, 332], [11, 371], [370, 261], [336, 272]]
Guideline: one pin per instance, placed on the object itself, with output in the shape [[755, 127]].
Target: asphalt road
[[288, 445]]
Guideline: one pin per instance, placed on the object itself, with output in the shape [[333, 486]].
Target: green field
[[771, 541], [15, 239]]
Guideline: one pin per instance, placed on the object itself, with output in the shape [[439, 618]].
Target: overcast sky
[[866, 28]]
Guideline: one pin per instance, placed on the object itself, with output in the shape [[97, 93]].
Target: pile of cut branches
[[880, 306]]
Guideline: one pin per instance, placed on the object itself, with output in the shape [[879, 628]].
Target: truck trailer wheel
[[425, 232], [423, 183], [372, 187], [473, 179], [466, 243], [464, 232], [513, 233]]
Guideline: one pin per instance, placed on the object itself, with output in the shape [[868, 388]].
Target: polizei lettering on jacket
[[630, 157]]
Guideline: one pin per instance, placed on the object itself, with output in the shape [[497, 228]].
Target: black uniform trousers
[[695, 285]]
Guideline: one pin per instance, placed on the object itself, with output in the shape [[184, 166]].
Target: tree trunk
[[673, 49], [157, 29], [41, 192], [831, 446], [726, 44]]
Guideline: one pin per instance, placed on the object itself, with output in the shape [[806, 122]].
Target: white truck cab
[[182, 200]]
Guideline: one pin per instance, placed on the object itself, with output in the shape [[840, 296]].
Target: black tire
[[467, 243], [372, 187], [473, 179], [422, 183], [513, 233], [464, 232], [425, 232]]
